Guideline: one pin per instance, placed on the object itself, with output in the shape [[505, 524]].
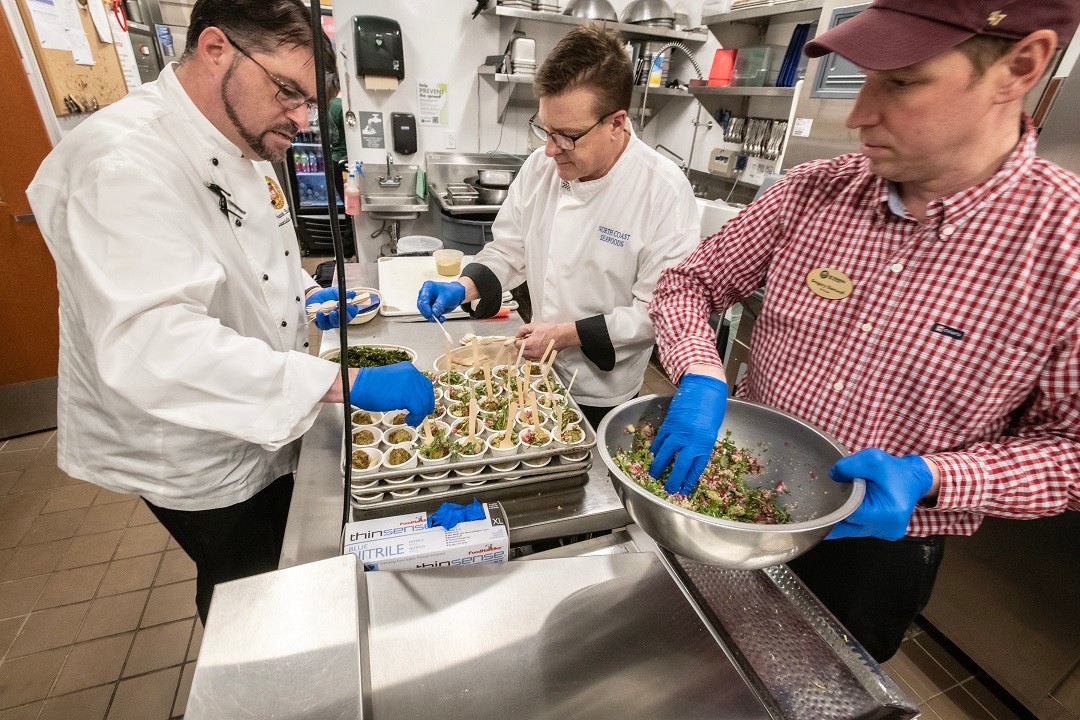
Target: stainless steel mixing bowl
[[788, 448], [593, 9]]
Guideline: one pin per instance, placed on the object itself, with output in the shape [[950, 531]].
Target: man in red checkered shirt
[[922, 303]]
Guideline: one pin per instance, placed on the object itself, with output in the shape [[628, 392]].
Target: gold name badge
[[829, 283]]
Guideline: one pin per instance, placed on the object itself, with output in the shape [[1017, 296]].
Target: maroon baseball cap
[[892, 34]]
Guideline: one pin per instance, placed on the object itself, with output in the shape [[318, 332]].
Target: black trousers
[[232, 542], [874, 587]]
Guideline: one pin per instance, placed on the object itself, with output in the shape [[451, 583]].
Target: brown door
[[29, 321]]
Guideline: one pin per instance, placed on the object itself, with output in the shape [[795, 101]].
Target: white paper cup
[[536, 462], [407, 465], [376, 433], [374, 461], [394, 418], [524, 418], [527, 447], [501, 452], [559, 442], [368, 498], [474, 483], [540, 388], [404, 492], [370, 416], [399, 435], [446, 379], [506, 466], [363, 482]]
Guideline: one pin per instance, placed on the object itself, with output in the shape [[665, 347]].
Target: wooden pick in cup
[[487, 381], [472, 417], [475, 352], [551, 344], [535, 413], [511, 415], [558, 420], [498, 358], [427, 431], [521, 351]]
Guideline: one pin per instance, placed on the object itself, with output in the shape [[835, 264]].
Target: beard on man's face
[[255, 140]]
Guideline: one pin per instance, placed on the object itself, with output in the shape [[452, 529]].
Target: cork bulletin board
[[103, 81]]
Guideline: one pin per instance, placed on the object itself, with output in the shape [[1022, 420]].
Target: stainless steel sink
[[393, 206]]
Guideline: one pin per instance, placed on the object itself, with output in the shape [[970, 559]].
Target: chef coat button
[[265, 277], [286, 253], [306, 344], [947, 230], [867, 327], [897, 267], [238, 223], [838, 386], [297, 298], [214, 160], [284, 324]]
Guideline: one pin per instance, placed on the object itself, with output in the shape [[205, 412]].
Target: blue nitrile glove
[[450, 514], [893, 486], [436, 298], [394, 387], [689, 432], [329, 321]]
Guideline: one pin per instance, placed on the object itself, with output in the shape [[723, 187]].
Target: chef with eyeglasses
[[589, 222]]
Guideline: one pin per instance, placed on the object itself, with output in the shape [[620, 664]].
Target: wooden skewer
[[472, 418], [427, 431], [521, 390], [571, 384], [495, 362], [535, 413], [527, 372], [551, 344], [475, 353], [558, 420], [521, 350], [511, 418], [487, 381], [546, 370]]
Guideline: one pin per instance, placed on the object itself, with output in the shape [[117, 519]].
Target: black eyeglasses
[[562, 141], [289, 98]]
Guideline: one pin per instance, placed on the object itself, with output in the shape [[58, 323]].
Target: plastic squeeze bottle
[[352, 194]]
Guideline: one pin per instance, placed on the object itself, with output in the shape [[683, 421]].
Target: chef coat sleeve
[[501, 264], [144, 279], [1034, 471]]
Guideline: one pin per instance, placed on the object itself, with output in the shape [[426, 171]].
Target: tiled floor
[[97, 603]]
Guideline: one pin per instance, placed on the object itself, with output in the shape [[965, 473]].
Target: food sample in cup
[[399, 435], [395, 418], [448, 262], [398, 456]]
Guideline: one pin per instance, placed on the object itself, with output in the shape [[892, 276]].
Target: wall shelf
[[763, 13], [628, 30], [516, 90]]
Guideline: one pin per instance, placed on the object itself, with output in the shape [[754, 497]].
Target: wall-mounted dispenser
[[404, 131], [378, 49]]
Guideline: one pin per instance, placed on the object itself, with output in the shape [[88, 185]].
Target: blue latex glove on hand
[[689, 432], [394, 387], [893, 486], [450, 514], [436, 298], [330, 320]]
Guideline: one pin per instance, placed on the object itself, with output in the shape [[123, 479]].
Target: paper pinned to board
[[79, 46], [374, 82], [101, 20], [48, 25], [125, 53]]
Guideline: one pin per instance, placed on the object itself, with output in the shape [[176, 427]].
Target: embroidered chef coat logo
[[277, 198], [995, 17], [613, 237], [829, 283]]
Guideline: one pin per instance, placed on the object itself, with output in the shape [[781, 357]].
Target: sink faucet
[[390, 180]]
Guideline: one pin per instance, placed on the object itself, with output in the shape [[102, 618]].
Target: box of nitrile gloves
[[405, 542]]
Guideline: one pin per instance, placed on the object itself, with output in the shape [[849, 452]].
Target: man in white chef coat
[[590, 221], [184, 374]]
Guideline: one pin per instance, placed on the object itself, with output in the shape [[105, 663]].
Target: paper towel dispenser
[[377, 42]]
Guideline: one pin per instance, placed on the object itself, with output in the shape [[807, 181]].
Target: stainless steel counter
[[549, 510]]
